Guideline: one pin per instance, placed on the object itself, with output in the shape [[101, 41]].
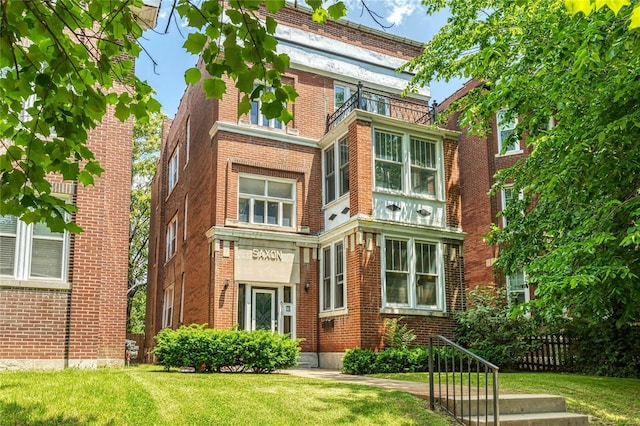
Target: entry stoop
[[516, 410]]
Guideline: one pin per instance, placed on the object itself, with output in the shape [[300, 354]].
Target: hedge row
[[365, 361], [210, 350]]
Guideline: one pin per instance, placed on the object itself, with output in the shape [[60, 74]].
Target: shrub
[[397, 336], [206, 349], [490, 329], [358, 361], [365, 361]]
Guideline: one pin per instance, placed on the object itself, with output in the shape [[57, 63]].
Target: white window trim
[[173, 166], [332, 309], [406, 165], [187, 147], [24, 252], [253, 197], [440, 282], [337, 170], [503, 200], [525, 291], [347, 93], [167, 307], [260, 121], [499, 126], [172, 238]]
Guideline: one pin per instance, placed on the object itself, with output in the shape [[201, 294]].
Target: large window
[[173, 169], [32, 251], [336, 170], [506, 141], [266, 201], [172, 234], [420, 177], [260, 119], [333, 291], [412, 277], [167, 307]]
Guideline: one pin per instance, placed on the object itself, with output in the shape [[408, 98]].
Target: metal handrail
[[463, 395]]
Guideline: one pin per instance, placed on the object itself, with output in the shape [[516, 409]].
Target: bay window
[[412, 274], [266, 201]]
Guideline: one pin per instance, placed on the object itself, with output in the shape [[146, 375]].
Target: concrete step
[[508, 404], [534, 419]]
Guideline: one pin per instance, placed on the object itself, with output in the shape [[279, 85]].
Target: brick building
[[320, 228], [63, 296], [480, 158]]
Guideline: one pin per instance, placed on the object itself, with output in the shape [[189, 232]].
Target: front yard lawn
[[146, 395], [608, 400]]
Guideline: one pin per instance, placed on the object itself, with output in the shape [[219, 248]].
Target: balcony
[[402, 109]]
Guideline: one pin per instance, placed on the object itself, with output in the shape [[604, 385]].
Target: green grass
[[147, 395], [609, 401]]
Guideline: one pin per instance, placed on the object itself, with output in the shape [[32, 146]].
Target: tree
[[65, 63], [576, 230], [146, 150]]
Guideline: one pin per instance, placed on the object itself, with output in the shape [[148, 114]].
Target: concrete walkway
[[420, 390]]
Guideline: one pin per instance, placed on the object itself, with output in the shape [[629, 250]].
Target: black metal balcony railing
[[402, 109]]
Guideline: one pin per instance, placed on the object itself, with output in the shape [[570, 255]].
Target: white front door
[[263, 309]]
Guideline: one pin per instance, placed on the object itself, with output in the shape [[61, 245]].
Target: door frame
[[274, 312]]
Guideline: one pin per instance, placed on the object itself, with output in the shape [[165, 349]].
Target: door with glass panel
[[263, 309]]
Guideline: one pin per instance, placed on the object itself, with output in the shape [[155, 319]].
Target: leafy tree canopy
[[576, 230], [64, 64]]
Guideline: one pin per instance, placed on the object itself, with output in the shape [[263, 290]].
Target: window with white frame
[[167, 307], [507, 195], [172, 235], [173, 169], [32, 251], [340, 95], [336, 170], [187, 132], [506, 142], [184, 219], [266, 201], [412, 274], [333, 291], [517, 288], [424, 167], [419, 177], [376, 103], [257, 117]]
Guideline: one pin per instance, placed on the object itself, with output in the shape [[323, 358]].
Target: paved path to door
[[421, 390]]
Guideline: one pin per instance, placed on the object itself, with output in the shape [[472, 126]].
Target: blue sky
[[408, 17]]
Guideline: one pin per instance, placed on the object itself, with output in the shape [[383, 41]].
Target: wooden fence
[[552, 353]]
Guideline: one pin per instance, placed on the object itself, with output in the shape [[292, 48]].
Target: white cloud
[[392, 11]]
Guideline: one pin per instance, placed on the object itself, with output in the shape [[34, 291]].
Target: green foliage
[[210, 350], [575, 230], [491, 330], [66, 63], [365, 361], [397, 336], [146, 150]]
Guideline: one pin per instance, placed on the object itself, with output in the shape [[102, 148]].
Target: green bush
[[358, 361], [365, 361], [490, 329], [397, 336], [208, 350]]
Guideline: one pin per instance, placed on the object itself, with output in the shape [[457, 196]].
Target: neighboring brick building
[[480, 158], [321, 228], [63, 296]]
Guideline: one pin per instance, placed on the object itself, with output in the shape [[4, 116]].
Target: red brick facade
[[226, 262], [79, 321]]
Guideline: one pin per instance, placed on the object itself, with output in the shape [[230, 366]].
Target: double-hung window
[[336, 170], [506, 140], [173, 169], [388, 157], [167, 307], [266, 201], [412, 274], [32, 251], [417, 175], [340, 95], [508, 194], [172, 236], [517, 289], [260, 119], [333, 291], [423, 167]]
